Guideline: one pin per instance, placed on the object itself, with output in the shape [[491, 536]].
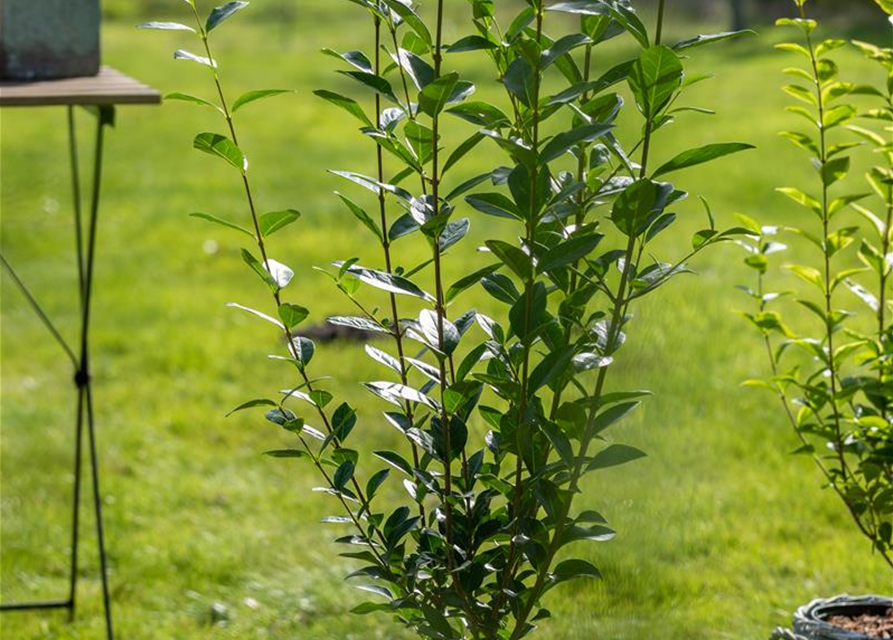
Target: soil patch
[[869, 624]]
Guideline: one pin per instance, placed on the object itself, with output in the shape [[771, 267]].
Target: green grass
[[721, 533]]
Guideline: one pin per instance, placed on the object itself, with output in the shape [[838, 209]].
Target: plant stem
[[262, 248], [826, 219], [529, 241], [578, 220], [386, 248], [440, 311], [613, 334]]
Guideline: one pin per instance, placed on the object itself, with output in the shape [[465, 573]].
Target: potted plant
[[832, 371], [462, 528], [49, 39]]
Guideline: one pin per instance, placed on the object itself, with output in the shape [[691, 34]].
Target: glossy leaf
[[223, 12], [218, 145], [253, 96], [694, 157]]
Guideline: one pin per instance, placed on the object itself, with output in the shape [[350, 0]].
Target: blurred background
[[721, 533]]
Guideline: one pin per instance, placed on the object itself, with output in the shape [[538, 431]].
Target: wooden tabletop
[[110, 87]]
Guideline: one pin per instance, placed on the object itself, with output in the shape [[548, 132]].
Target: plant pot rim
[[809, 620]]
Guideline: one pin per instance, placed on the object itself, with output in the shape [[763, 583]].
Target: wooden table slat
[[109, 87]]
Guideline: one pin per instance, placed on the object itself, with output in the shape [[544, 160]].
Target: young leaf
[[655, 76], [185, 97], [694, 157], [182, 54], [614, 455], [348, 104], [272, 222], [292, 314], [222, 147], [222, 222], [434, 96], [221, 13], [166, 26], [253, 96], [570, 569]]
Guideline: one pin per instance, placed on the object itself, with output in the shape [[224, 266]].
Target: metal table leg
[[86, 254]]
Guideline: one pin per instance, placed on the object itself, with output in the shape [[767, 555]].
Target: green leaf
[[479, 113], [526, 316], [570, 569], [561, 143], [470, 280], [634, 206], [165, 26], [561, 47], [185, 97], [835, 170], [222, 147], [411, 18], [710, 39], [839, 115], [654, 77], [495, 204], [260, 94], [221, 221], [257, 313], [794, 48], [395, 460], [361, 215], [511, 256], [886, 5], [873, 258], [470, 143], [287, 453], [343, 475], [354, 322], [182, 54], [801, 198], [348, 104], [387, 281], [258, 268], [613, 414], [221, 13], [272, 222], [302, 349], [292, 314], [470, 43], [809, 274], [374, 82], [694, 157], [568, 252], [805, 142], [549, 368], [434, 96], [615, 455], [520, 80], [260, 402]]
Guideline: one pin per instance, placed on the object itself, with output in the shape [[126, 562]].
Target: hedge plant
[[833, 370], [501, 417]]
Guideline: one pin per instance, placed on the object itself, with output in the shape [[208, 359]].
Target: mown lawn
[[721, 533]]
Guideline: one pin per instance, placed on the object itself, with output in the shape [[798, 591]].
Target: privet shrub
[[502, 416], [839, 397]]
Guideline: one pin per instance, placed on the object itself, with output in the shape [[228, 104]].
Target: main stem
[[613, 333], [826, 220], [529, 240], [386, 248], [440, 311], [364, 504]]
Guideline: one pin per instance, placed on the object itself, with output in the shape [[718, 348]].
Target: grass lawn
[[721, 533]]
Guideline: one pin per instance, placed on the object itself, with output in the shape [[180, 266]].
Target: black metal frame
[[86, 255]]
